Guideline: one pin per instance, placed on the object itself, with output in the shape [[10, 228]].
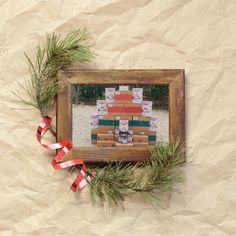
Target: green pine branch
[[115, 181], [42, 85]]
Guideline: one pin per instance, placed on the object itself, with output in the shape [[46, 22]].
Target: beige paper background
[[197, 35]]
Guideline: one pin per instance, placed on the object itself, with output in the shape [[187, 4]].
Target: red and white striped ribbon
[[66, 145]]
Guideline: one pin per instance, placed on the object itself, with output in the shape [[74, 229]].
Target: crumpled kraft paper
[[196, 35]]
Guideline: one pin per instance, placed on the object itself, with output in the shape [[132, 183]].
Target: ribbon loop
[[66, 146]]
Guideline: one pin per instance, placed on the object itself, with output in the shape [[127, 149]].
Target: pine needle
[[42, 85], [114, 182]]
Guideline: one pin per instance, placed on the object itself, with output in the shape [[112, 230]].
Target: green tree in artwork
[[91, 93]]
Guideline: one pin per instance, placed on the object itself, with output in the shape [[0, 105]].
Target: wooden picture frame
[[174, 78]]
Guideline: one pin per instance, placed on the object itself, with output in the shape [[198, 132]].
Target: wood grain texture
[[161, 77], [106, 154], [174, 78], [177, 109], [64, 111]]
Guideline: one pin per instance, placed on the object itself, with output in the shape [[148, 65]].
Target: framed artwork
[[120, 114]]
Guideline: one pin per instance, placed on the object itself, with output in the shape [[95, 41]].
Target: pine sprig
[[42, 85], [112, 183]]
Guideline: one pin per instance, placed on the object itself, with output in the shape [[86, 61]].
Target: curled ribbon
[[66, 145]]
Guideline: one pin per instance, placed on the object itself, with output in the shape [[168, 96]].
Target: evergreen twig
[[113, 182], [42, 85]]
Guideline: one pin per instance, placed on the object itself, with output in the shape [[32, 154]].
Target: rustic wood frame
[[174, 78]]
